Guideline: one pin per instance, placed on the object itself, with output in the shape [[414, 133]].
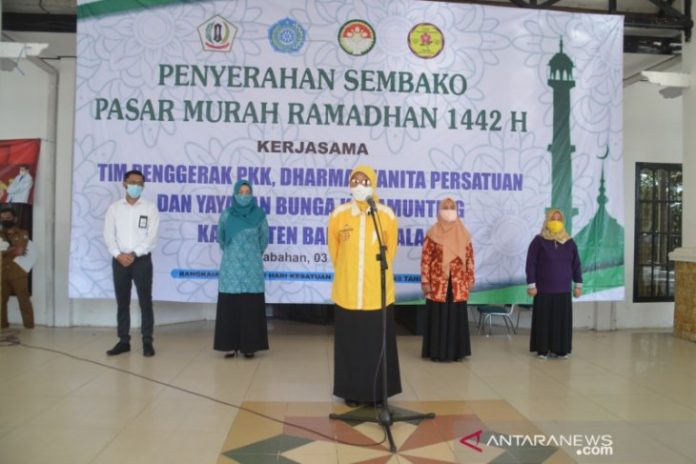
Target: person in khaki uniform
[[14, 278]]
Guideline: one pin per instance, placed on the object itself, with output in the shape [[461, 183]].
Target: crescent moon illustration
[[605, 154]]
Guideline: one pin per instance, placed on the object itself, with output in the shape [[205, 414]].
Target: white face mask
[[361, 192], [448, 215]]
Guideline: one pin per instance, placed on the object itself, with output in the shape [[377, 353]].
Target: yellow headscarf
[[371, 174], [560, 237]]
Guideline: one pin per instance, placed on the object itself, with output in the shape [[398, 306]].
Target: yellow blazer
[[353, 247]]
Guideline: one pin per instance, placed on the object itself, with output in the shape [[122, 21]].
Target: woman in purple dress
[[553, 264]]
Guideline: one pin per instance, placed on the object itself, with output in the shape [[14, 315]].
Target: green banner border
[[594, 281], [108, 7]]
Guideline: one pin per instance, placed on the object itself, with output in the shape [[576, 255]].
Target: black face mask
[[7, 224]]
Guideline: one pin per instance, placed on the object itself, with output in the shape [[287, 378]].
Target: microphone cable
[[11, 339]]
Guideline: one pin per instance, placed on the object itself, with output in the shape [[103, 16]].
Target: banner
[[508, 111], [18, 160]]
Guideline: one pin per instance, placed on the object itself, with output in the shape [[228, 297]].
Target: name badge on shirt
[[142, 223]]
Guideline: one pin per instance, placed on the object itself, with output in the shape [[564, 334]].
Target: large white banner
[[509, 111]]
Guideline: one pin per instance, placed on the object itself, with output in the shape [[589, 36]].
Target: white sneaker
[[541, 356]]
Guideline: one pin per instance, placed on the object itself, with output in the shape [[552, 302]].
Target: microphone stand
[[385, 417]]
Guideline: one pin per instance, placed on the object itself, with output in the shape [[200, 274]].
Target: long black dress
[[446, 335], [240, 323], [552, 324], [358, 345]]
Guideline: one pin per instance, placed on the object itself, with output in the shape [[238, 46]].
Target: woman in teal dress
[[240, 323]]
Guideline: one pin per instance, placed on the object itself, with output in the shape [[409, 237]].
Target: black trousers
[[140, 273]]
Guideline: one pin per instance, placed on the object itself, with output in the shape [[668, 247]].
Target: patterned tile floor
[[636, 388], [427, 441]]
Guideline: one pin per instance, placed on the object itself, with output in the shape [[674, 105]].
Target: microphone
[[371, 203]]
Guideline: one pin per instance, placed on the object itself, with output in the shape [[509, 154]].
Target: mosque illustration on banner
[[601, 241]]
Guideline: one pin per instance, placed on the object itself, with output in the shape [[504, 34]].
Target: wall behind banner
[[652, 132], [27, 111]]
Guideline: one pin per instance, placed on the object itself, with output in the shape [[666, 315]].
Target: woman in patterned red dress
[[447, 276]]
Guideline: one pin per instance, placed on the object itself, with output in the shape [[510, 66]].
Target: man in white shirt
[[19, 189], [130, 233]]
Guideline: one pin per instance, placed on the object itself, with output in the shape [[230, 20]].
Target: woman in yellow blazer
[[353, 247]]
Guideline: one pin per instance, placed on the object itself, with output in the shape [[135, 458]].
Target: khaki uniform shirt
[[16, 237]]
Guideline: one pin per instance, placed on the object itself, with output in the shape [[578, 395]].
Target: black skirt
[[357, 349], [446, 336], [552, 324], [240, 322]]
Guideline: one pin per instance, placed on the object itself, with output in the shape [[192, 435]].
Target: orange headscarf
[[562, 236], [452, 236]]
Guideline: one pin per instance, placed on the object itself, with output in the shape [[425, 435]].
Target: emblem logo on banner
[[287, 36], [426, 40], [217, 34], [356, 37]]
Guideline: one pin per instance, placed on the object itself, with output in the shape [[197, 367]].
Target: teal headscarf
[[241, 217]]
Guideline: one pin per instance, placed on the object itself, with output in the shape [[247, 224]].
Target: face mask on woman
[[448, 215], [555, 226], [242, 200], [361, 192]]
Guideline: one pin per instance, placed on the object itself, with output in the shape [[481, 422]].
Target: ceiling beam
[[28, 22], [667, 19]]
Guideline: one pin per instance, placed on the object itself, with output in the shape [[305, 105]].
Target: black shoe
[[148, 350], [231, 354], [119, 348], [352, 403], [248, 355]]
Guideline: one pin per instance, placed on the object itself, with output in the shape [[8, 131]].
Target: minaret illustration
[[601, 241], [561, 81]]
